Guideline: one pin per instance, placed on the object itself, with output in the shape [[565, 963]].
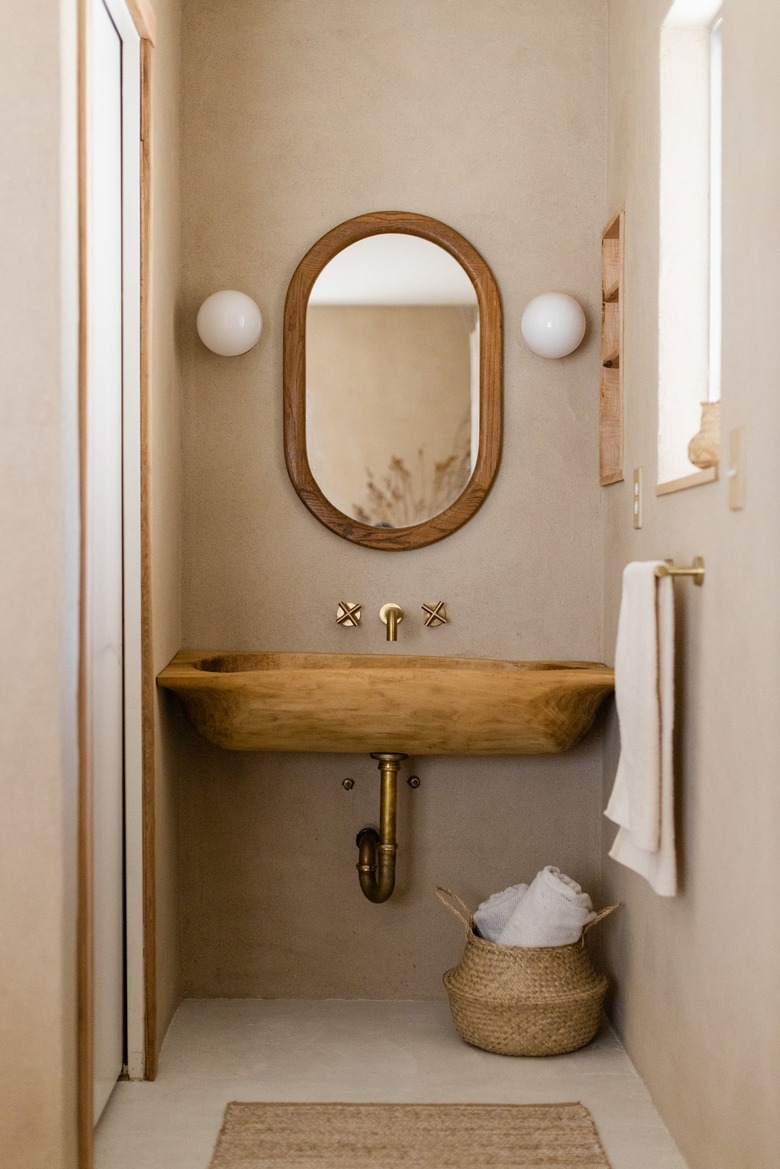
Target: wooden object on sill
[[704, 447], [611, 378]]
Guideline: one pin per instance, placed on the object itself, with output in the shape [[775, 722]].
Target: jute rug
[[417, 1136]]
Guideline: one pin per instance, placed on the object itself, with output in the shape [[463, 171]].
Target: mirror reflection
[[392, 380]]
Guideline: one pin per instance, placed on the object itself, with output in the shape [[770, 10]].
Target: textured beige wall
[[166, 470], [698, 976], [388, 382], [39, 566], [297, 115], [38, 585]]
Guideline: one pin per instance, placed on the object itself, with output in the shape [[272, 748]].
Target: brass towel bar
[[696, 570]]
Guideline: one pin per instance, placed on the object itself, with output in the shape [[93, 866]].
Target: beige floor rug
[[412, 1136]]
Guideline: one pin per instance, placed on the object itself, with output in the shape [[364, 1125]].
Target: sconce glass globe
[[553, 324], [229, 323]]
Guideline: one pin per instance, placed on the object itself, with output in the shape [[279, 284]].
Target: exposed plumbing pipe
[[376, 860]]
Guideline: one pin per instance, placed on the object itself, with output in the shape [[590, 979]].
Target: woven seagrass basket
[[513, 1000]]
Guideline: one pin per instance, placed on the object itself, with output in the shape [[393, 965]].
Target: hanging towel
[[642, 800], [552, 913], [493, 914]]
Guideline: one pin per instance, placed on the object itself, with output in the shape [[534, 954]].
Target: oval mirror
[[392, 380]]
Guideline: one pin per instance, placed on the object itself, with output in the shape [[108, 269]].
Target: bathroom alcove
[[524, 126], [522, 580]]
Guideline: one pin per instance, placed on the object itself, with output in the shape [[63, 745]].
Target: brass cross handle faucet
[[434, 615], [391, 615]]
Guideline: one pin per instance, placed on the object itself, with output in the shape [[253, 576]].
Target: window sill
[[708, 475]]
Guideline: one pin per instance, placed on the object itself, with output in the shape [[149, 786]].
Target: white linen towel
[[493, 914], [552, 913], [642, 800]]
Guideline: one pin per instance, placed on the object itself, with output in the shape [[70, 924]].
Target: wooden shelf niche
[[611, 387]]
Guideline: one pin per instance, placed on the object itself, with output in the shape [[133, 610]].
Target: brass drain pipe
[[376, 863]]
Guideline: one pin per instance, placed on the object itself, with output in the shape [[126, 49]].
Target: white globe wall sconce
[[553, 324], [229, 323]]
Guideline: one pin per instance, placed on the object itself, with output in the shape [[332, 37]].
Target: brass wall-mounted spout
[[376, 860], [391, 615]]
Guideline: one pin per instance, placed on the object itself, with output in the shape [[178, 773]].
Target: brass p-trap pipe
[[376, 859]]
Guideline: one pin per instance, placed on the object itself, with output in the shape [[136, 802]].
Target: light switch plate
[[636, 499], [736, 471]]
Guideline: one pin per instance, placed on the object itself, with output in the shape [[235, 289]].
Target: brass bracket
[[435, 614], [695, 570], [348, 614]]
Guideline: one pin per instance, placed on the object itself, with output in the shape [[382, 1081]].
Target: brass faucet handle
[[435, 615], [348, 614]]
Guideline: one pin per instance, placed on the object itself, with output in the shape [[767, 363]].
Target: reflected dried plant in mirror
[[403, 496]]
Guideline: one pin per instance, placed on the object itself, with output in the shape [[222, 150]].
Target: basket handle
[[455, 905], [602, 913]]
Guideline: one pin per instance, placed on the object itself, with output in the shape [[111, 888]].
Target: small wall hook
[[435, 614], [348, 614]]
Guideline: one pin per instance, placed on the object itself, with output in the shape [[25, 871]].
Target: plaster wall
[[39, 567], [299, 114], [38, 585], [697, 975]]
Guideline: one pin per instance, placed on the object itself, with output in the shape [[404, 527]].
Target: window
[[689, 303], [716, 205]]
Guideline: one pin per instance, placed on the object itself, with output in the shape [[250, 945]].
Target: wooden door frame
[[149, 689], [143, 17]]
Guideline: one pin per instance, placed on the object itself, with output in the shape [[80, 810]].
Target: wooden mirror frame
[[490, 381]]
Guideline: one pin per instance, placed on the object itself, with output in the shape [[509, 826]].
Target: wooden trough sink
[[382, 702]]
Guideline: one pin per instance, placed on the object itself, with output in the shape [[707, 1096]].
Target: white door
[[112, 387]]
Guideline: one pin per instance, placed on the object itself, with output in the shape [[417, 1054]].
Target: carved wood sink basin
[[383, 702]]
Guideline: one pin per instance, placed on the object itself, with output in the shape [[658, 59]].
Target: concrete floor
[[227, 1049]]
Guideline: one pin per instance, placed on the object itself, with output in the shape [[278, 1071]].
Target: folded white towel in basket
[[493, 914], [553, 912]]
